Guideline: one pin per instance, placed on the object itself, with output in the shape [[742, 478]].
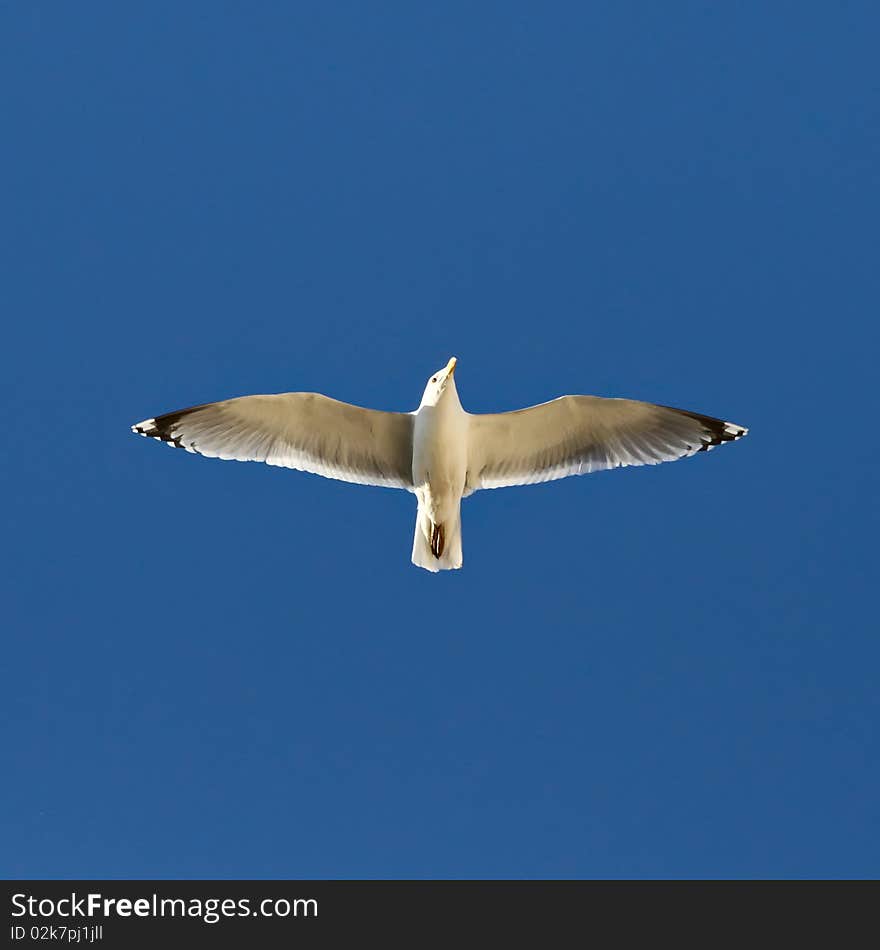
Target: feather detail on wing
[[575, 435], [305, 431]]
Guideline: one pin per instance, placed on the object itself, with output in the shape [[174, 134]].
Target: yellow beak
[[450, 366]]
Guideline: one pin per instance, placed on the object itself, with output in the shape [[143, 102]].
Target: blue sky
[[220, 670]]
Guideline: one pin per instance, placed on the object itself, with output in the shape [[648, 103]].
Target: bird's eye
[[434, 379]]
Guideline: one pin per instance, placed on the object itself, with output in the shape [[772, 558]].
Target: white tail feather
[[423, 556]]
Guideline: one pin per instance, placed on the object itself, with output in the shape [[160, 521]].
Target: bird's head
[[441, 383]]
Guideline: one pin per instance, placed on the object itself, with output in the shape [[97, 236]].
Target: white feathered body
[[440, 463]]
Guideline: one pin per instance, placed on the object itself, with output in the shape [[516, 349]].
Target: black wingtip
[[162, 428], [718, 431]]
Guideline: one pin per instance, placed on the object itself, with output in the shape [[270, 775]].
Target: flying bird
[[440, 452]]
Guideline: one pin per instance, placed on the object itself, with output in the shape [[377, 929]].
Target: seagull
[[440, 452]]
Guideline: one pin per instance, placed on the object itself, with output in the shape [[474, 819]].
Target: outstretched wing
[[305, 431], [574, 435]]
